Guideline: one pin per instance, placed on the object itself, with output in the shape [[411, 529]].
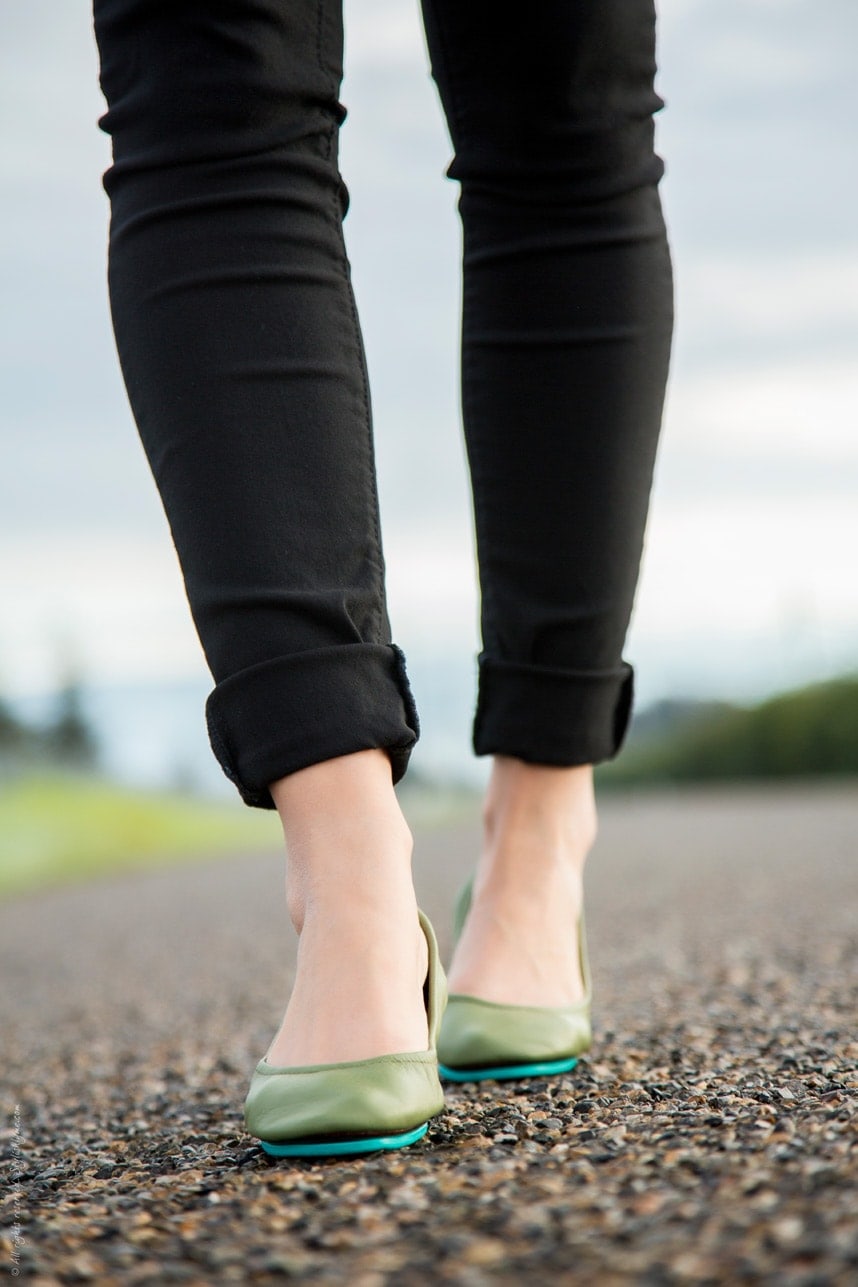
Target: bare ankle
[[540, 808], [347, 841]]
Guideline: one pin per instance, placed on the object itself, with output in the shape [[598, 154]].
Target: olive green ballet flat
[[483, 1040], [334, 1110]]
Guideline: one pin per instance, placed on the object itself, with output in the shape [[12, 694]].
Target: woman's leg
[[240, 347], [566, 336], [239, 343]]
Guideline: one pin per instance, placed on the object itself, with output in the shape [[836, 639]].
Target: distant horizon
[[151, 733]]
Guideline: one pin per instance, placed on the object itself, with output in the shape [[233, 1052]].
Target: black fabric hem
[[545, 715], [288, 713]]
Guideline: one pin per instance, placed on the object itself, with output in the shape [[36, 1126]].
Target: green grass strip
[[56, 829]]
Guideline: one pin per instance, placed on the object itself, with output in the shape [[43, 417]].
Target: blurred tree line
[[810, 732], [66, 739]]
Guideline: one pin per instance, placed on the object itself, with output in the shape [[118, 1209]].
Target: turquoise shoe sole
[[508, 1072], [344, 1148]]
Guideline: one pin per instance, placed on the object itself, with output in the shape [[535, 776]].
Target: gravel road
[[710, 1138]]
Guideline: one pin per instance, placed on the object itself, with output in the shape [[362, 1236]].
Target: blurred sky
[[750, 570]]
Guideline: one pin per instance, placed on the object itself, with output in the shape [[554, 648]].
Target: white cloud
[[757, 300], [782, 414], [741, 563], [743, 597], [382, 33], [115, 607]]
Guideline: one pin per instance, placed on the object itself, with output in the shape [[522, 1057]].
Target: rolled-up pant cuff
[[283, 715], [550, 716]]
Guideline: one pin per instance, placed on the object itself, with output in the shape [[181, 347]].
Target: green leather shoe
[[332, 1110], [484, 1040]]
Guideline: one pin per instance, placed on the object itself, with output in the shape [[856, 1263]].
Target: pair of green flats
[[337, 1110]]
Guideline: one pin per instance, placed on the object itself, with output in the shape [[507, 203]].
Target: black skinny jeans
[[241, 351]]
